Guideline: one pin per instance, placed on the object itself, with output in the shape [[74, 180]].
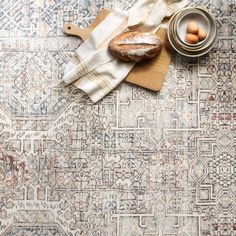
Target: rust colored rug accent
[[136, 163]]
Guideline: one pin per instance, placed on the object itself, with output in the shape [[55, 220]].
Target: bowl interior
[[183, 21], [171, 31]]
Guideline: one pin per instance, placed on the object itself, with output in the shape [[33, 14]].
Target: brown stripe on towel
[[100, 81]]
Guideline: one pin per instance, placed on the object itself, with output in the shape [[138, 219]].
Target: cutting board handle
[[72, 29], [148, 74]]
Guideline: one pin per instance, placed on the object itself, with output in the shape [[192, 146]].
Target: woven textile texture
[[136, 163]]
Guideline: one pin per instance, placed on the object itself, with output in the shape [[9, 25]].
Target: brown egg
[[191, 38], [201, 34], [192, 27]]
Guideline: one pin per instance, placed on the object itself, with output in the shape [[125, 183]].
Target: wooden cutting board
[[149, 74]]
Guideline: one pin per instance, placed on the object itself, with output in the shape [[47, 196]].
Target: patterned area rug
[[136, 163]]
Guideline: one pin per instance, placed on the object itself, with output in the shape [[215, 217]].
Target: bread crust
[[135, 46]]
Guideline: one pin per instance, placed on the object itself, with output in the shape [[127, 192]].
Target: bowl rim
[[193, 49], [190, 48], [185, 52], [183, 14]]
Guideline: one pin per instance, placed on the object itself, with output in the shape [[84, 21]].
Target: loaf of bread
[[135, 46]]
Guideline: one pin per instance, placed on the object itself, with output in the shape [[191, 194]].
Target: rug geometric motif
[[137, 162]]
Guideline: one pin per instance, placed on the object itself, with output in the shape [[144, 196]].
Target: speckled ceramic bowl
[[184, 49], [182, 21]]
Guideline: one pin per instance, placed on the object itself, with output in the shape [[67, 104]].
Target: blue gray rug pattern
[[136, 163]]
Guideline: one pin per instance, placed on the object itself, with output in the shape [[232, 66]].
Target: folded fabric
[[104, 79], [149, 13], [93, 69], [93, 52]]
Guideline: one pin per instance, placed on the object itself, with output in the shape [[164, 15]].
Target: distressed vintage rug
[[136, 163]]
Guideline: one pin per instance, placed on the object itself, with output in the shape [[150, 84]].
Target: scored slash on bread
[[149, 74], [135, 46]]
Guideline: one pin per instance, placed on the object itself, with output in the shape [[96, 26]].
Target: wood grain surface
[[149, 74]]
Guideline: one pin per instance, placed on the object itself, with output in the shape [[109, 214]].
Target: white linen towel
[[93, 69]]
